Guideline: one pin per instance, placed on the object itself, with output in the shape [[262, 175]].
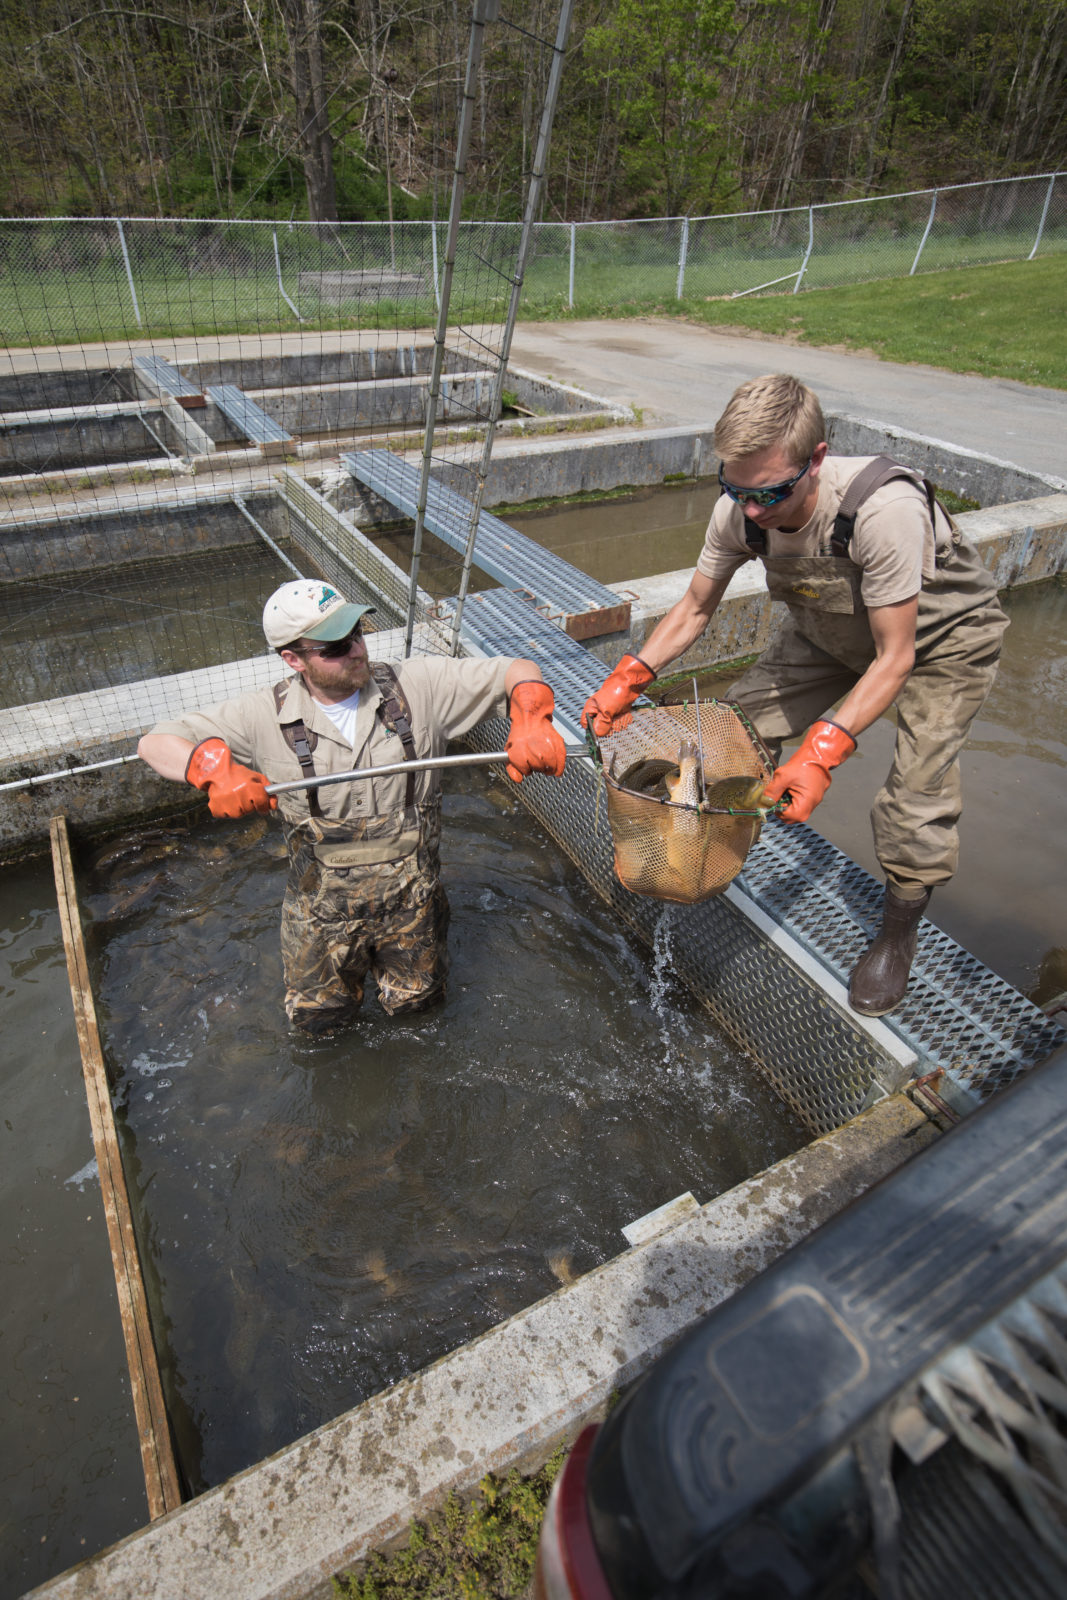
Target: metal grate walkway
[[822, 1057], [249, 419], [580, 605]]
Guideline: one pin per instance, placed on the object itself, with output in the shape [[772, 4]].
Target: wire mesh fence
[[77, 279], [184, 405]]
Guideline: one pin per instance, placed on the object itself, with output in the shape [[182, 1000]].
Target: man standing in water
[[364, 892], [887, 605]]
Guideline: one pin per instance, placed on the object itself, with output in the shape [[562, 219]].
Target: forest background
[[345, 109]]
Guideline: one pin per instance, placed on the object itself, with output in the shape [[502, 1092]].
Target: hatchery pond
[[318, 1219]]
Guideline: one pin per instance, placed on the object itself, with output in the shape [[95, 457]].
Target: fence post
[[436, 281], [281, 285], [129, 272], [570, 287], [1044, 214], [683, 252], [807, 253], [926, 235]]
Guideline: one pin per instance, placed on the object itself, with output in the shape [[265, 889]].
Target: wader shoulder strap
[[395, 712], [882, 470], [301, 742]]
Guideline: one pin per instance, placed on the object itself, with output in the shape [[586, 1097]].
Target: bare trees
[[668, 106]]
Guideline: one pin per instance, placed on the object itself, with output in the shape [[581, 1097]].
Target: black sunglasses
[[334, 649], [772, 494]]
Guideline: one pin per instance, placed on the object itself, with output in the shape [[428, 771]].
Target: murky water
[[632, 536], [76, 631], [319, 1219]]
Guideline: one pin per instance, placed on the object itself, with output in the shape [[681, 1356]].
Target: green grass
[[1002, 321]]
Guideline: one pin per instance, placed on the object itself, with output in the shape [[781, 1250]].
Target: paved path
[[681, 373]]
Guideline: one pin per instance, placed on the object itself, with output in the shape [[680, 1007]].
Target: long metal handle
[[423, 764]]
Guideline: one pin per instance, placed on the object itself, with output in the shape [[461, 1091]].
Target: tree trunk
[[303, 26]]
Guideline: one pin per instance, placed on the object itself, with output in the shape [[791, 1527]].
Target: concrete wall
[[80, 542], [36, 391], [976, 477], [33, 445]]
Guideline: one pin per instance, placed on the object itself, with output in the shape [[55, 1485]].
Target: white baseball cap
[[307, 609]]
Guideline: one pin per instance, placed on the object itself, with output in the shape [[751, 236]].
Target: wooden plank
[[153, 1428]]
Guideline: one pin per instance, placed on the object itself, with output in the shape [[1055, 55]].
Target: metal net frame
[[668, 845]]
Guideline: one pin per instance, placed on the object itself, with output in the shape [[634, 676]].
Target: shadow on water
[[324, 1217]]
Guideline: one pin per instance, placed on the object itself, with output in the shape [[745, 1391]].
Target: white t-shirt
[[342, 713]]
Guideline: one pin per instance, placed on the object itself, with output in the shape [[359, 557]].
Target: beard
[[337, 680]]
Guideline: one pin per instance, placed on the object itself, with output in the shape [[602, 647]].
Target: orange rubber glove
[[807, 773], [232, 790], [534, 745], [609, 708]]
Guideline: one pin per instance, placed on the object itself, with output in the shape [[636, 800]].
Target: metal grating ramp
[[166, 381], [249, 419], [823, 1059], [580, 605]]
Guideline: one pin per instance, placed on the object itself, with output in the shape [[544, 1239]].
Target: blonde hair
[[776, 409]]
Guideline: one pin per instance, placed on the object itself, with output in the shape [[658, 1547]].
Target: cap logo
[[326, 597]]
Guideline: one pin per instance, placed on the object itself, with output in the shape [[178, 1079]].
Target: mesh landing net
[[664, 848]]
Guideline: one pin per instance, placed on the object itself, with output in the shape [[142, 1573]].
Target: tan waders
[[821, 650]]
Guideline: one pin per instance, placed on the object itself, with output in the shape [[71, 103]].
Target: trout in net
[[679, 781], [683, 826]]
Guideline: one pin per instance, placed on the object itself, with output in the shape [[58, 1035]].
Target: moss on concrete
[[478, 1549]]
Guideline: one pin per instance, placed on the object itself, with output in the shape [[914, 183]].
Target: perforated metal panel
[[958, 1014], [1003, 1394]]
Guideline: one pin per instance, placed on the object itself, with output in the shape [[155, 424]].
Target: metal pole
[[265, 536], [281, 285], [479, 758], [683, 252], [570, 285], [807, 253], [484, 11], [926, 235], [533, 201], [433, 252], [1044, 214], [129, 272]]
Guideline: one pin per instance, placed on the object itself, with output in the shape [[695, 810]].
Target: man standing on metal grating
[[364, 891], [887, 604]]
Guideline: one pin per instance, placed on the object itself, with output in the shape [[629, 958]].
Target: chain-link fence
[[73, 279]]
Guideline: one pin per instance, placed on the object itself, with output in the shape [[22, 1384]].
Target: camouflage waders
[[825, 645], [388, 918]]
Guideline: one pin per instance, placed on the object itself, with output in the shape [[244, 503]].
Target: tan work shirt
[[447, 696], [893, 543]]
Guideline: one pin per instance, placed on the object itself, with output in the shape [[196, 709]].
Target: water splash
[[674, 1029]]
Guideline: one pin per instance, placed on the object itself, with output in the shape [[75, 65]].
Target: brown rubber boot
[[879, 979]]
